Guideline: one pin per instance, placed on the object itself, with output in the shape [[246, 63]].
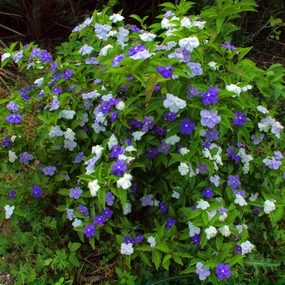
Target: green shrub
[[156, 139]]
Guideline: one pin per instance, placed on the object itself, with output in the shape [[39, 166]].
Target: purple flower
[[240, 120], [70, 214], [134, 188], [139, 238], [12, 106], [272, 163], [99, 220], [152, 153], [256, 210], [79, 157], [192, 91], [212, 135], [128, 239], [25, 157], [147, 123], [238, 249], [210, 96], [278, 155], [169, 116], [117, 59], [134, 50], [36, 52], [203, 168], [113, 116], [83, 210], [36, 191], [107, 213], [12, 194], [89, 230], [240, 192], [187, 127], [45, 56], [156, 87], [116, 151], [228, 46], [202, 271], [54, 104], [75, 192], [165, 72], [109, 197], [164, 147], [159, 130], [195, 69], [208, 192], [233, 181], [57, 90], [119, 167], [223, 271], [6, 142], [136, 123], [196, 239], [209, 118], [169, 223], [49, 170], [53, 67], [162, 207], [14, 118], [67, 73]]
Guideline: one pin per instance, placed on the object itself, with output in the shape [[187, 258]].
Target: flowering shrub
[[159, 139]]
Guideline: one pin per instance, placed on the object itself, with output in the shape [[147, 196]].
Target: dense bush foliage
[[154, 140]]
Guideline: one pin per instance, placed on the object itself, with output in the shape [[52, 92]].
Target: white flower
[[245, 88], [128, 159], [94, 187], [127, 208], [170, 45], [127, 249], [246, 247], [165, 24], [77, 223], [13, 138], [173, 103], [125, 181], [97, 150], [147, 37], [175, 195], [262, 109], [137, 135], [172, 140], [189, 43], [120, 106], [183, 168], [184, 150], [240, 228], [192, 173], [67, 114], [86, 49], [211, 232], [141, 55], [116, 18], [112, 141], [211, 214], [98, 128], [223, 216], [265, 123], [269, 206], [234, 88], [185, 22], [193, 230], [130, 148], [69, 134], [253, 197], [202, 204], [213, 65], [56, 132], [104, 50], [199, 24], [5, 55], [70, 145], [9, 211], [156, 203], [151, 241], [12, 156], [215, 179], [225, 231], [39, 81], [240, 200]]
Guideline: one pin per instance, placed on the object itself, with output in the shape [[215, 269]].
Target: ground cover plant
[[154, 145]]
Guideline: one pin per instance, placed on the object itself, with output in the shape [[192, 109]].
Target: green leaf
[[150, 86], [63, 192], [163, 247], [74, 246], [177, 258], [145, 260], [18, 212], [74, 260], [166, 261], [156, 258]]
